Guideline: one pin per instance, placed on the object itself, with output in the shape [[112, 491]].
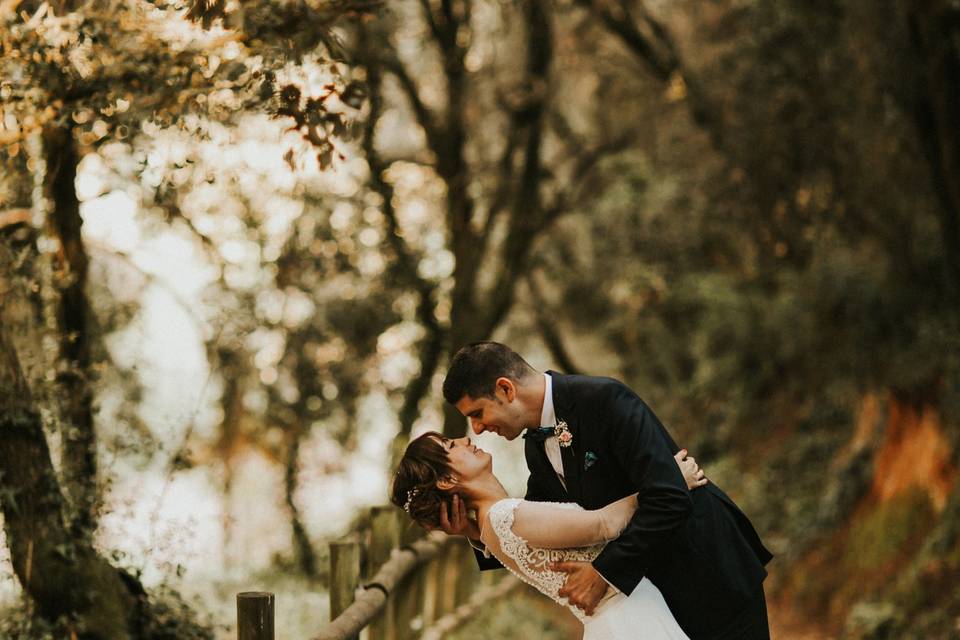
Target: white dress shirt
[[548, 418]]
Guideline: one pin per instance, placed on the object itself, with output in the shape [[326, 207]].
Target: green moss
[[881, 537]]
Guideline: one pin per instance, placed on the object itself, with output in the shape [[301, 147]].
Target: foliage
[[172, 619], [741, 208], [800, 245]]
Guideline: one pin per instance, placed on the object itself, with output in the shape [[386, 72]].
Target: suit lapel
[[545, 469], [571, 468]]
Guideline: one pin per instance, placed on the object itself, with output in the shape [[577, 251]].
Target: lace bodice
[[548, 534]]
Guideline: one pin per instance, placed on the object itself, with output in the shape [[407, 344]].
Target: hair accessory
[[411, 494]]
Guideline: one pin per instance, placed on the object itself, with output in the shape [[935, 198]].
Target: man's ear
[[446, 483], [506, 389]]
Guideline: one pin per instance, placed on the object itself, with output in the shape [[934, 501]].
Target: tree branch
[[548, 329], [658, 53], [659, 58], [527, 214], [431, 347], [431, 20], [583, 171], [393, 65], [11, 217]]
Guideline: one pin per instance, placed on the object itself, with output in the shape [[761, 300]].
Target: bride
[[533, 539]]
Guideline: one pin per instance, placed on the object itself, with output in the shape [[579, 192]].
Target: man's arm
[[584, 586], [637, 440]]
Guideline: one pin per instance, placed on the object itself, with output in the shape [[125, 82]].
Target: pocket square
[[589, 459]]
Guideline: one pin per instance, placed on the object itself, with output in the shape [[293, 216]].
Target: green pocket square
[[589, 459]]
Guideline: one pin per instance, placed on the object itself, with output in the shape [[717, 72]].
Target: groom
[[593, 441]]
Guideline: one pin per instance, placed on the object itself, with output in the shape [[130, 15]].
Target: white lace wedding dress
[[527, 536]]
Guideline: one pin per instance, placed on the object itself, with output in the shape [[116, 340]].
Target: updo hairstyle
[[415, 483]]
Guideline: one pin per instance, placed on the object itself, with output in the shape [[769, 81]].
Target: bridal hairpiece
[[411, 494]]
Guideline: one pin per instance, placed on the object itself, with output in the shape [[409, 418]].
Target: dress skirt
[[643, 615]]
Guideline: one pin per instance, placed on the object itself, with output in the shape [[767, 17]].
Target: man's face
[[501, 414]]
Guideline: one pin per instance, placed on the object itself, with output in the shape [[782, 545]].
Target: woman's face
[[466, 459]]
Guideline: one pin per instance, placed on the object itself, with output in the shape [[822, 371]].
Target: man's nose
[[477, 426]]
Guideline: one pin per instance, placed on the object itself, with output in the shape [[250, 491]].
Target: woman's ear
[[446, 483]]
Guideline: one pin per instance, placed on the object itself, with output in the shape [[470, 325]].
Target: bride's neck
[[483, 493]]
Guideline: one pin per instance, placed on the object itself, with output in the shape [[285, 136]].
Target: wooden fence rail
[[394, 582]]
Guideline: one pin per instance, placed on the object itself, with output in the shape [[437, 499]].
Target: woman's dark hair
[[475, 368], [415, 483]]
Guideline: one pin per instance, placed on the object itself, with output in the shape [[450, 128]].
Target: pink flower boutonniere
[[564, 437]]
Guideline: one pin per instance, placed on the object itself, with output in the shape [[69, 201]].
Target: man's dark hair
[[475, 368]]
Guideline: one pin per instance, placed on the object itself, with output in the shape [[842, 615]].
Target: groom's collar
[[562, 395], [548, 417]]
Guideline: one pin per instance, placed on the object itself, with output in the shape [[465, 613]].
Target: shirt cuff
[[610, 584], [613, 588]]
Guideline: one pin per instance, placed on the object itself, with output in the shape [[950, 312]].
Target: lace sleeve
[[529, 561], [557, 526]]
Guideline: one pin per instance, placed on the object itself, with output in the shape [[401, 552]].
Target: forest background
[[239, 241]]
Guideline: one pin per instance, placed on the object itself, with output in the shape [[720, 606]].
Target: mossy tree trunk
[[62, 575], [49, 536]]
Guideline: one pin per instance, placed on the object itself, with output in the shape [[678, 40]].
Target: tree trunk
[[476, 314], [56, 564], [935, 27], [306, 559], [79, 457], [464, 329], [63, 576]]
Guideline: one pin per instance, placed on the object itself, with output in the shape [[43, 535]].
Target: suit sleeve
[[639, 443]]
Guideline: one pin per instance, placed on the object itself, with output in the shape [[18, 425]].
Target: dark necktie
[[539, 434]]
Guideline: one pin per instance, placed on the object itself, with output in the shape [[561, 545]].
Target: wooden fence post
[[447, 587], [467, 571], [409, 592], [255, 615], [433, 576], [384, 538], [344, 574]]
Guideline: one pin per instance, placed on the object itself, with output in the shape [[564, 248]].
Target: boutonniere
[[562, 431]]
